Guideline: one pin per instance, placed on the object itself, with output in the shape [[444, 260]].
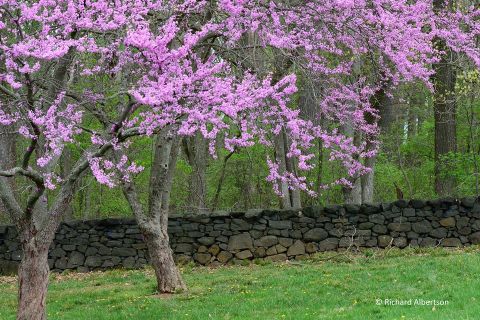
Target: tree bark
[[65, 168], [383, 103], [280, 155], [153, 220], [353, 195], [169, 279], [295, 197], [368, 181], [444, 106], [216, 198], [7, 159], [196, 149], [33, 280]]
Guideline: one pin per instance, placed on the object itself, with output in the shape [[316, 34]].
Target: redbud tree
[[113, 71]]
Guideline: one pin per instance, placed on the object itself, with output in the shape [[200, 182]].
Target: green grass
[[326, 287]]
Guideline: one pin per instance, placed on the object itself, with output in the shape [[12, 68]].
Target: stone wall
[[275, 235]]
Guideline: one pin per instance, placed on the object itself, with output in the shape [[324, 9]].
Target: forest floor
[[328, 286]]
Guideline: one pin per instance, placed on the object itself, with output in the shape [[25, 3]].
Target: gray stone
[[468, 202], [409, 212], [465, 231], [286, 242], [384, 241], [259, 252], [206, 240], [214, 250], [124, 252], [8, 268], [417, 203], [475, 238], [252, 213], [462, 222], [451, 242], [259, 227], [76, 259], [202, 258], [428, 242], [380, 229], [311, 247], [282, 224], [400, 226], [61, 263], [245, 254], [108, 264], [345, 242], [297, 248], [376, 218], [139, 246], [195, 234], [438, 233], [256, 233], [240, 225], [475, 225], [448, 222], [184, 248], [352, 208], [93, 261], [116, 235], [57, 252], [363, 233], [266, 241], [277, 257], [128, 263], [271, 251], [183, 259], [69, 247], [328, 244], [91, 251], [366, 225], [316, 234], [400, 242], [412, 235], [422, 227], [280, 248], [224, 256], [240, 241]]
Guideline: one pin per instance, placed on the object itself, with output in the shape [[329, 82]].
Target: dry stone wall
[[223, 237]]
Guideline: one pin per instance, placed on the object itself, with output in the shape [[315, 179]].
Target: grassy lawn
[[328, 286]]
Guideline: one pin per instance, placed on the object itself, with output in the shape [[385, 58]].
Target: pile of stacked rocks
[[275, 235]]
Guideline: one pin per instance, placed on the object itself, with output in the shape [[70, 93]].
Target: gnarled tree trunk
[[153, 219], [169, 279], [33, 279]]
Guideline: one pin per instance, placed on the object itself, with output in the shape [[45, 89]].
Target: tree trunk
[[169, 279], [65, 168], [153, 221], [295, 197], [280, 155], [353, 195], [196, 149], [384, 104], [33, 281], [444, 106], [7, 160], [368, 181]]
